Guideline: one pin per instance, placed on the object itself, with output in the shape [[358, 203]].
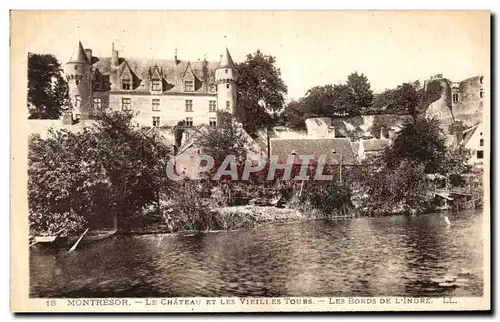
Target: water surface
[[389, 256]]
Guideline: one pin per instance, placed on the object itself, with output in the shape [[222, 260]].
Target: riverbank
[[237, 217]]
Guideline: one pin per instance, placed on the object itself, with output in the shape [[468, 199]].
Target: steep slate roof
[[375, 145], [467, 134], [226, 60], [317, 147], [78, 55], [173, 72]]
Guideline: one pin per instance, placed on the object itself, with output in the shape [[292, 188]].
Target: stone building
[[159, 93], [459, 101]]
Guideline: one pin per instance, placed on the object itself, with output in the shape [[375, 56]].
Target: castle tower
[[78, 72], [226, 76]]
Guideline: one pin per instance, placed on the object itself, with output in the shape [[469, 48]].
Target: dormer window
[[189, 86], [455, 98], [212, 88], [126, 84], [334, 151], [156, 85], [293, 152]]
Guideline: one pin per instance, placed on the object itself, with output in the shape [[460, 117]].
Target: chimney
[[331, 131], [114, 56], [67, 118], [177, 61], [392, 133], [88, 53]]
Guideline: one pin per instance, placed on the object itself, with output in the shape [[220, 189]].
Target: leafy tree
[[47, 89], [317, 101], [406, 99], [227, 139], [105, 170], [260, 91], [421, 140], [362, 93], [294, 115]]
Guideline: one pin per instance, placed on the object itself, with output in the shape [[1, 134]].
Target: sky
[[311, 47]]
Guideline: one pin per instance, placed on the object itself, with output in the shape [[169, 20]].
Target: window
[[189, 86], [480, 154], [77, 117], [212, 122], [212, 89], [156, 121], [126, 84], [227, 71], [189, 105], [189, 121], [227, 85], [156, 105], [228, 104], [96, 85], [126, 104], [455, 98], [212, 106], [78, 101], [481, 93], [77, 82], [481, 142], [96, 103], [156, 85], [481, 79]]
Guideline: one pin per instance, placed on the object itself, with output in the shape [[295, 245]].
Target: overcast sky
[[311, 48]]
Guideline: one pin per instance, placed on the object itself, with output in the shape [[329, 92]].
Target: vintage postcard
[[250, 161]]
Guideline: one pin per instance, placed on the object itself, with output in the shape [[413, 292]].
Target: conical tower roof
[[226, 60], [78, 55]]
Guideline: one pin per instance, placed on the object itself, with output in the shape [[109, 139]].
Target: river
[[388, 256]]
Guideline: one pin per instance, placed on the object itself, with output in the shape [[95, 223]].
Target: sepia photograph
[[250, 160]]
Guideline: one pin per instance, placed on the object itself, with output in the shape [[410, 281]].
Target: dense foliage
[[105, 170], [47, 88], [261, 91]]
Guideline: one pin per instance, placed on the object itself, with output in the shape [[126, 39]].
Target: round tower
[[226, 76], [78, 72]]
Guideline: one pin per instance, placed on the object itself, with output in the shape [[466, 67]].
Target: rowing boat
[[56, 241]]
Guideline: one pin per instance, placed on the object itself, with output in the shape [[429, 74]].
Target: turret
[[226, 76], [79, 76]]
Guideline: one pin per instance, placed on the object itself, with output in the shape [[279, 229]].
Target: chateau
[[158, 92]]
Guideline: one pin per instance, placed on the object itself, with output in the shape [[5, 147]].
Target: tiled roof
[[173, 72], [317, 147], [375, 145]]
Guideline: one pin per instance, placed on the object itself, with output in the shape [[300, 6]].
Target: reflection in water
[[391, 256]]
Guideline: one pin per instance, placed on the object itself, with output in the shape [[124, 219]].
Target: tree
[[343, 102], [106, 170], [47, 89], [317, 101], [260, 91], [420, 140], [294, 115], [406, 99], [362, 93]]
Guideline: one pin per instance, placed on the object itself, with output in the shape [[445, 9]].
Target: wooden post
[[115, 221], [340, 169]]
